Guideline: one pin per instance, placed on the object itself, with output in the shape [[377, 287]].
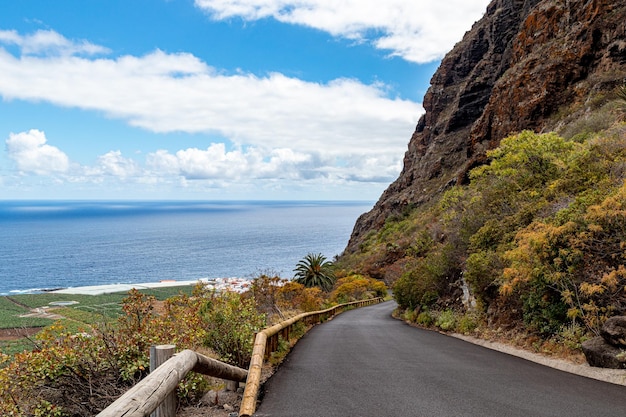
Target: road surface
[[364, 363]]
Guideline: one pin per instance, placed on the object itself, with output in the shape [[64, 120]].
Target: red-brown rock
[[517, 66]]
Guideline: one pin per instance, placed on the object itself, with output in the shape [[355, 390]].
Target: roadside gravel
[[613, 376]]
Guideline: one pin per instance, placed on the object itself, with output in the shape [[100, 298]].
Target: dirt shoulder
[[613, 376]]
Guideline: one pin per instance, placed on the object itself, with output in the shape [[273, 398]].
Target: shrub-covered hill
[[536, 240], [490, 209], [526, 65]]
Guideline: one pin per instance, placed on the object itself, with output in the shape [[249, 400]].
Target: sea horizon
[[49, 244]]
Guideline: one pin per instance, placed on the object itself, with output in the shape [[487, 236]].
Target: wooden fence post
[[158, 355]]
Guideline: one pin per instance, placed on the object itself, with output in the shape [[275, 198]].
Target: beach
[[219, 284]]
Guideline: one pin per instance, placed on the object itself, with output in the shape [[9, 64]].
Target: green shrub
[[446, 320], [483, 270], [425, 318], [410, 315], [279, 354], [544, 309], [231, 322], [298, 330], [47, 409], [429, 298], [422, 243], [425, 280], [467, 323], [572, 335], [191, 388]]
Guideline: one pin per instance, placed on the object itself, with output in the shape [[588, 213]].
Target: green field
[[10, 316], [89, 310]]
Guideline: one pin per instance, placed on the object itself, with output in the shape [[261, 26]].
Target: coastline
[[219, 284], [88, 243]]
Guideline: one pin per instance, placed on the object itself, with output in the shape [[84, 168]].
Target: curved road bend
[[364, 363]]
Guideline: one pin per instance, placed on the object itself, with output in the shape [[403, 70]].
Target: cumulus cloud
[[32, 155], [114, 164], [214, 166], [217, 163], [164, 92], [262, 127], [416, 30], [49, 42]]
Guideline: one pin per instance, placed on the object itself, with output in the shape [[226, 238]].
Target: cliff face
[[517, 66]]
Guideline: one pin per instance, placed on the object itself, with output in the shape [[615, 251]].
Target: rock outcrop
[[514, 70], [609, 349], [614, 331]]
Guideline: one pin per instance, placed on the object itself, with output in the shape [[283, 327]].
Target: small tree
[[265, 290], [315, 271], [357, 287], [231, 322]]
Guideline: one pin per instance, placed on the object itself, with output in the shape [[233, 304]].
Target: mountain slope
[[519, 67]]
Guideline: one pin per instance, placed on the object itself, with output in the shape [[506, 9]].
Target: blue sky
[[215, 99]]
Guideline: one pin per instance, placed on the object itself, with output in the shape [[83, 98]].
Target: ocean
[[60, 244]]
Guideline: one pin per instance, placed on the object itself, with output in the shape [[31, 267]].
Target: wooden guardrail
[[266, 342], [151, 392]]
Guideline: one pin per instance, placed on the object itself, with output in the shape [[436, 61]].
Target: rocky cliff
[[518, 68]]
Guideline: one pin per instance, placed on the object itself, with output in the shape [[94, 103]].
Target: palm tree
[[315, 271]]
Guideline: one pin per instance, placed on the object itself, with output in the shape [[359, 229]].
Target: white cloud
[[276, 164], [167, 93], [212, 163], [49, 42], [214, 166], [114, 164], [265, 129], [271, 164], [32, 155], [217, 163], [416, 30], [177, 92]]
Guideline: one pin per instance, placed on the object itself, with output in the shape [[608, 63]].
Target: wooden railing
[[152, 392]]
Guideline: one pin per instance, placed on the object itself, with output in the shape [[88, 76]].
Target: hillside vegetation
[[535, 242]]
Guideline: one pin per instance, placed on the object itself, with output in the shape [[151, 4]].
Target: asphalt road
[[364, 363]]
